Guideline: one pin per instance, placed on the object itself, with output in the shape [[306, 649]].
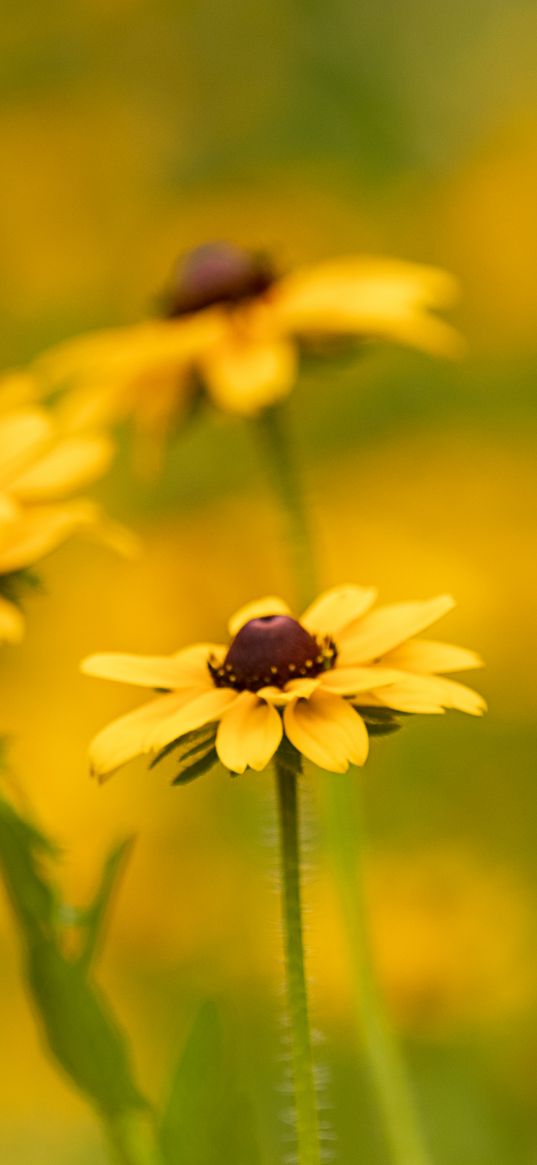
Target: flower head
[[231, 325], [324, 681], [40, 468]]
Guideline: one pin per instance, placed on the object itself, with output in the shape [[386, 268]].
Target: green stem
[[280, 459], [387, 1070], [133, 1140], [394, 1096], [307, 1126]]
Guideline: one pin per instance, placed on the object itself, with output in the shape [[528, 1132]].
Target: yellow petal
[[245, 373], [126, 738], [410, 695], [427, 656], [327, 731], [193, 660], [113, 535], [430, 694], [117, 372], [11, 622], [9, 512], [458, 696], [40, 529], [248, 734], [130, 350], [17, 389], [149, 671], [96, 403], [257, 609], [23, 435], [69, 466], [427, 334], [444, 693], [336, 608], [300, 689], [347, 681], [368, 297], [194, 714], [387, 627]]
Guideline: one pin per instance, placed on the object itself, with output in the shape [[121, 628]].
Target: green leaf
[[94, 917], [22, 852], [380, 721], [16, 585], [189, 771], [192, 744], [194, 753], [80, 1030], [207, 1119], [78, 1025]]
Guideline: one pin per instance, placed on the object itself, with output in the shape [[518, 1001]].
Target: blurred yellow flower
[[39, 469], [234, 328], [306, 679], [18, 388]]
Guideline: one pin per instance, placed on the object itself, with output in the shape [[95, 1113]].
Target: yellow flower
[[18, 389], [39, 469], [236, 329], [306, 679]]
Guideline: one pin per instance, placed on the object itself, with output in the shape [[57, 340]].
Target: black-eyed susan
[[316, 680], [40, 468], [230, 325]]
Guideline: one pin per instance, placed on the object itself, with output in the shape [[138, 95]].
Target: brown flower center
[[217, 273], [271, 650]]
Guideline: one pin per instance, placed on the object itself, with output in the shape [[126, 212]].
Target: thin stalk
[[394, 1095], [279, 455], [132, 1140], [307, 1124]]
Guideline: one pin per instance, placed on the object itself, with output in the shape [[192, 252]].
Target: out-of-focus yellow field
[[130, 133]]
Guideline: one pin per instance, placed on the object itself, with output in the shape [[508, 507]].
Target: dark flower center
[[217, 273], [271, 650]]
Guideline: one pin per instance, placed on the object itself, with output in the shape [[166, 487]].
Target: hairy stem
[[394, 1095], [307, 1125]]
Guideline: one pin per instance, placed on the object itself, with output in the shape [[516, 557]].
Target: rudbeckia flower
[[39, 469], [231, 326], [318, 681]]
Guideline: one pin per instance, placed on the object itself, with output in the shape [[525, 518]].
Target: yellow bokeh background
[[132, 132]]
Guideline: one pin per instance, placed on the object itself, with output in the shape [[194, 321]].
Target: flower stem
[[132, 1140], [280, 459], [394, 1096], [387, 1070], [307, 1125]]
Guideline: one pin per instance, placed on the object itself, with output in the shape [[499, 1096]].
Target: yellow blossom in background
[[40, 468], [18, 388], [317, 680], [231, 326]]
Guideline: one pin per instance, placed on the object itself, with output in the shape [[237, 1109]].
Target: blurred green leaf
[[22, 852], [16, 585], [207, 1119], [93, 919], [80, 1030]]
